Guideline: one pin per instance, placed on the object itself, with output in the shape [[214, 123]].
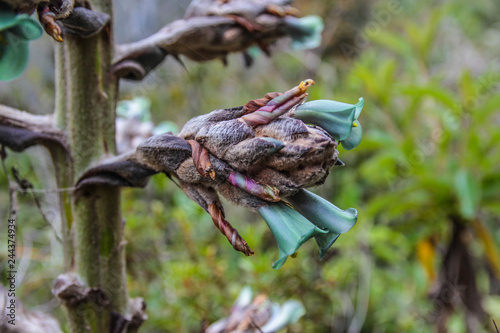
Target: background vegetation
[[429, 160]]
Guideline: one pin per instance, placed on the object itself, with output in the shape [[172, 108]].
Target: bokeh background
[[424, 254]]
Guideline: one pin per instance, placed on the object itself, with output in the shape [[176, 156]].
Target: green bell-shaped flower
[[354, 139], [325, 215], [290, 229], [15, 33], [338, 119]]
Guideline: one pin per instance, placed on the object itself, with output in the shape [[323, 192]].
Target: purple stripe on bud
[[278, 105], [262, 117], [262, 191]]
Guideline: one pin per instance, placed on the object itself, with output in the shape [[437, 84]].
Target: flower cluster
[[262, 156]]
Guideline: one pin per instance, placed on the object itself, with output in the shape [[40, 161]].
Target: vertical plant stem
[[61, 85], [85, 109], [76, 320], [63, 164]]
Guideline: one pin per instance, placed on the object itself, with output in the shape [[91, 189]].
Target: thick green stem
[[60, 87], [76, 320], [98, 229], [64, 179], [62, 162], [111, 249], [85, 110], [63, 166]]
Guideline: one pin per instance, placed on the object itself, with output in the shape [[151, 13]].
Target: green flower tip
[[290, 229], [313, 216], [325, 215], [338, 119], [305, 31], [15, 33]]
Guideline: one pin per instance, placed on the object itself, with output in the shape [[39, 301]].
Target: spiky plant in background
[[262, 156]]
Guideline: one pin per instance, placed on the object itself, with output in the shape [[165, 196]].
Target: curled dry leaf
[[83, 22], [20, 130]]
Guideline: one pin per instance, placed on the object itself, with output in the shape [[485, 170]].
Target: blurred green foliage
[[429, 152]]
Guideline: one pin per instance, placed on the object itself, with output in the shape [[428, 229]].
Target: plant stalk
[[92, 224]]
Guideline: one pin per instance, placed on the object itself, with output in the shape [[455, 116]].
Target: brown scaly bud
[[261, 142], [252, 155]]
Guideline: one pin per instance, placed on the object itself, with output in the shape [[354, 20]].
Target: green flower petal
[[354, 139], [7, 18], [325, 215], [21, 25], [359, 106], [334, 117], [15, 32], [290, 229], [13, 60], [27, 28], [305, 31]]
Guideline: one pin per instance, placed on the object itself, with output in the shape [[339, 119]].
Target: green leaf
[[377, 139], [394, 42], [467, 89], [290, 229], [334, 117], [468, 192], [439, 93], [428, 37], [325, 215], [486, 109]]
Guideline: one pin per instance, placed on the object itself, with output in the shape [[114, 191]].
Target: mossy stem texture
[[85, 110]]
